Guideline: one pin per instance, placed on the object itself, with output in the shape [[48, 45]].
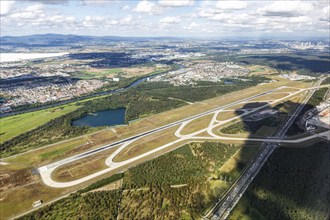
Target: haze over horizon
[[175, 18]]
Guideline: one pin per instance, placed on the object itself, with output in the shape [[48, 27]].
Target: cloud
[[192, 26], [81, 2], [231, 5], [95, 2], [111, 22], [325, 15], [126, 20], [175, 3], [286, 8], [300, 19], [169, 20], [92, 21], [145, 7], [206, 13], [30, 12], [35, 17], [70, 19], [6, 7], [326, 10], [125, 7], [51, 2], [221, 17]]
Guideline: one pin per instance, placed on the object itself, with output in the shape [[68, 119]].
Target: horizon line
[[224, 37]]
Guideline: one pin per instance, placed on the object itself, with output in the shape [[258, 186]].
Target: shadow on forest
[[318, 64], [108, 59], [294, 182], [30, 78]]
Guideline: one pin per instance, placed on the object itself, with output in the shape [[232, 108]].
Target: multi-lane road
[[223, 207]]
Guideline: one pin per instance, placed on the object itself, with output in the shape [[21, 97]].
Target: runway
[[46, 171]]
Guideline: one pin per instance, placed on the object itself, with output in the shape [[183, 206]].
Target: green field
[[18, 124], [100, 74]]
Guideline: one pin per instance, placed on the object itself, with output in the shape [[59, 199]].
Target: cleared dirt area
[[137, 71], [14, 201], [103, 137], [10, 179], [112, 186]]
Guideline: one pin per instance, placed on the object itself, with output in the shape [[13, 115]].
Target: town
[[203, 71]]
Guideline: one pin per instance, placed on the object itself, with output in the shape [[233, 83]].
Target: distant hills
[[49, 40]]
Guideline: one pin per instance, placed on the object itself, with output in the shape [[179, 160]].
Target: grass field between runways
[[81, 168], [197, 124], [146, 144]]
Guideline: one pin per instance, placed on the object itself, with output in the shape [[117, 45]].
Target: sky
[[179, 18]]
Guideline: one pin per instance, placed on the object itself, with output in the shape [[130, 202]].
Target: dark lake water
[[102, 118]]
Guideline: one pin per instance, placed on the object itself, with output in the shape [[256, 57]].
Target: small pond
[[102, 118]]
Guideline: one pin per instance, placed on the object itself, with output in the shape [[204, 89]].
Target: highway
[[223, 207], [46, 171]]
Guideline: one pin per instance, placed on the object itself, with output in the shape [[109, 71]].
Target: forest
[[303, 63], [95, 205], [294, 184], [181, 184], [201, 91]]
